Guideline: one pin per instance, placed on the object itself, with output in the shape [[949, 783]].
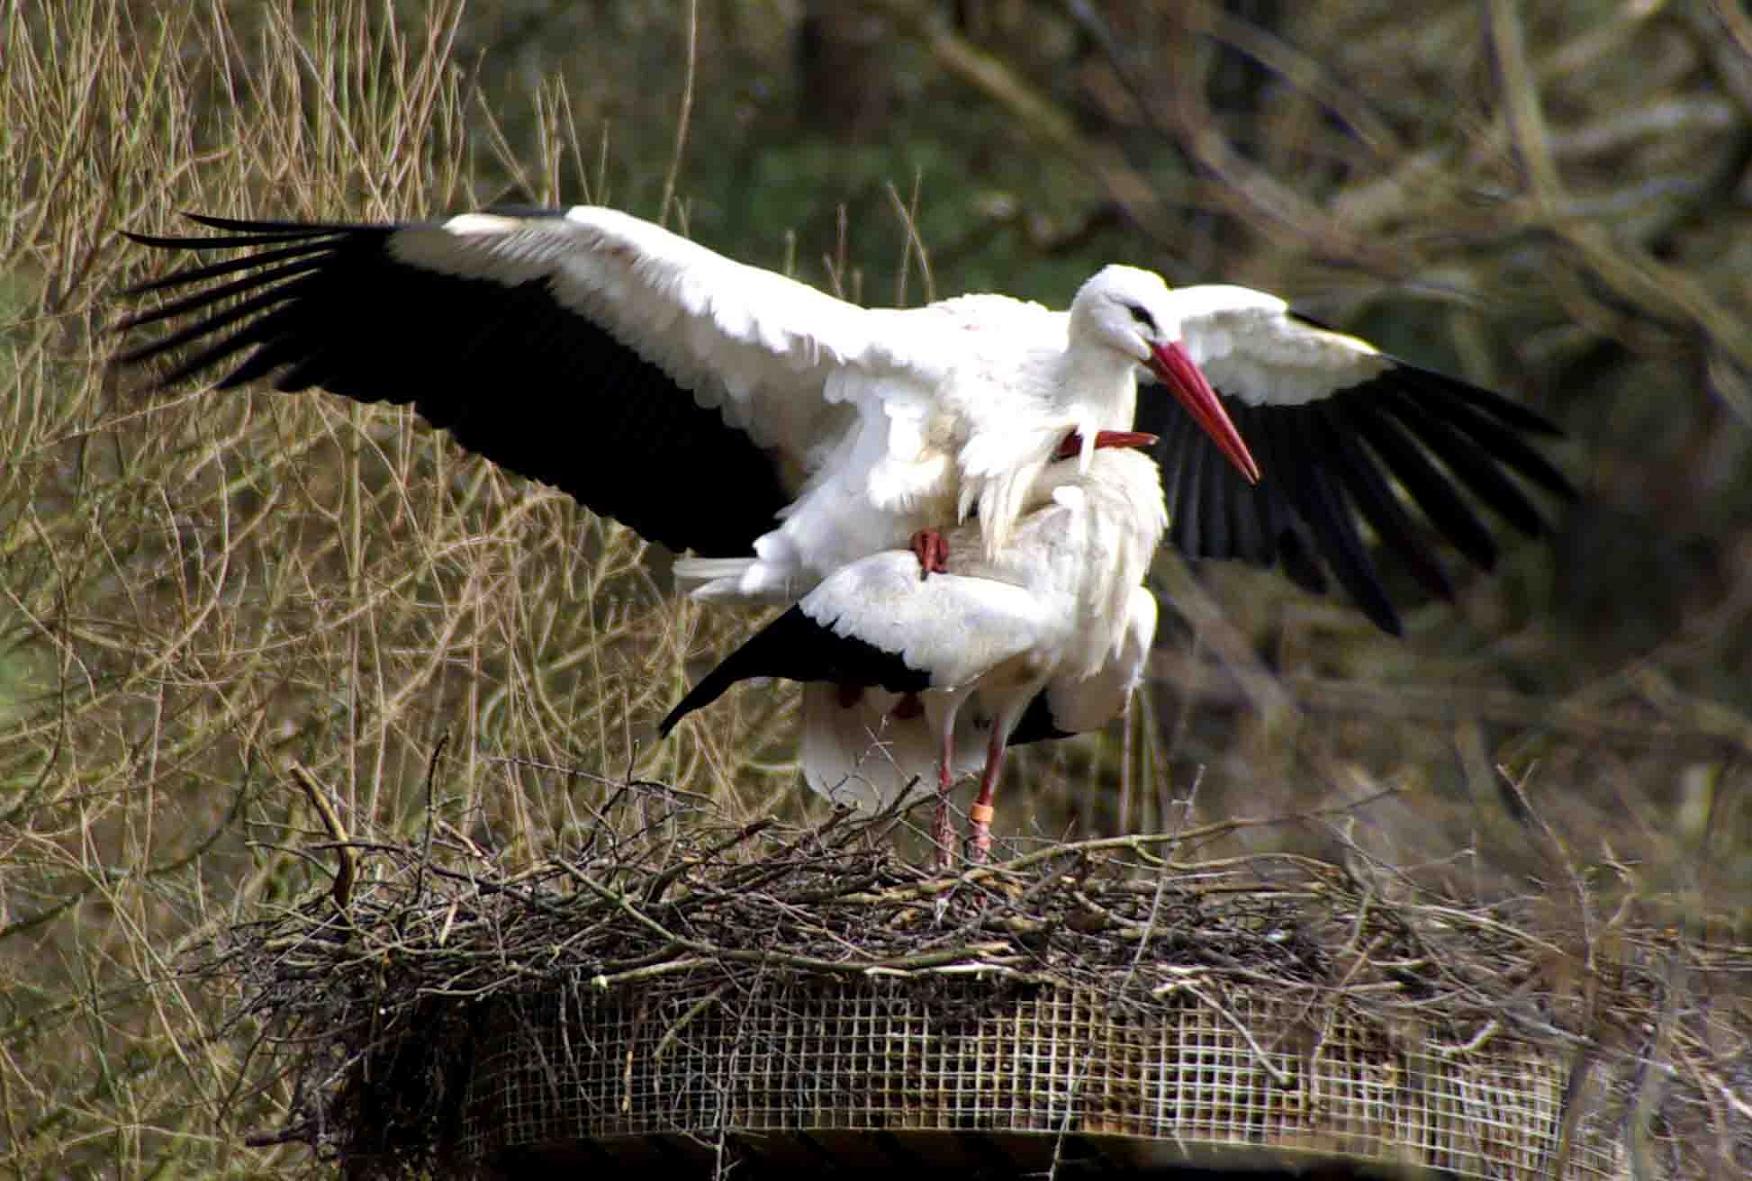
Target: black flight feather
[[798, 648], [531, 384]]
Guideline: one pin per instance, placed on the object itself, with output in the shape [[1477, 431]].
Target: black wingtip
[[160, 241], [1370, 494], [710, 687], [674, 716], [1036, 723], [241, 225], [1509, 413], [762, 654], [1383, 616], [799, 648]]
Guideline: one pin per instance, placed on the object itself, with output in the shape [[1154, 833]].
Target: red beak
[[1176, 370]]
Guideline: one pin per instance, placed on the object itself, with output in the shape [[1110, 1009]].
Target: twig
[[673, 173], [346, 857], [431, 813]]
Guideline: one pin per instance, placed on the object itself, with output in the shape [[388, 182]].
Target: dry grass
[[197, 593]]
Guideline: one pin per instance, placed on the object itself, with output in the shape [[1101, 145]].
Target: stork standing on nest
[[778, 433], [909, 677], [785, 437]]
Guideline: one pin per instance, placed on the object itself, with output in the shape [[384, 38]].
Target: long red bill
[[1187, 383]]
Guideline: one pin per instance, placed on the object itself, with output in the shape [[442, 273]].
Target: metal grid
[[777, 1055]]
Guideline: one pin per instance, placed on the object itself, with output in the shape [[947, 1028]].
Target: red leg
[[979, 817], [943, 832], [932, 551]]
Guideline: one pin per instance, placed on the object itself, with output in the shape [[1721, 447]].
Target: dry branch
[[693, 910]]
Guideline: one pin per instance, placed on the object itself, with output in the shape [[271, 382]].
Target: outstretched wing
[[1343, 433], [656, 381]]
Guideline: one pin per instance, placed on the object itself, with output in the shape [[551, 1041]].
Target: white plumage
[[923, 679], [878, 423], [1252, 348], [902, 419], [775, 433], [791, 444]]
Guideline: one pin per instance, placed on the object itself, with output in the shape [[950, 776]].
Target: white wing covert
[[1345, 435]]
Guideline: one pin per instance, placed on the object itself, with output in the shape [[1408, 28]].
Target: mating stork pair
[[950, 499]]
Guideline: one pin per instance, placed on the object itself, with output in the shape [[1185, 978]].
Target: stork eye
[[1141, 316]]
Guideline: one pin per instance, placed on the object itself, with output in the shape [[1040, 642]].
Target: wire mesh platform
[[858, 1072], [753, 1000]]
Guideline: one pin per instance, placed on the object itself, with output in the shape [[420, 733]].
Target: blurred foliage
[[195, 592]]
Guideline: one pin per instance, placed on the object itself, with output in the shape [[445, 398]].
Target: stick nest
[[368, 996]]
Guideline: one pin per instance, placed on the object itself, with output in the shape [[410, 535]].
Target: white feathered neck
[[1084, 536]]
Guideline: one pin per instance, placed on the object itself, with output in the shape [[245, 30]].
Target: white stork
[[589, 349], [789, 432], [905, 676]]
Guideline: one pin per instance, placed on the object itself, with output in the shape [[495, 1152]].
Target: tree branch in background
[[1037, 116]]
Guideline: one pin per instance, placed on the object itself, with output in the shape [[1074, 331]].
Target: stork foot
[[932, 552]]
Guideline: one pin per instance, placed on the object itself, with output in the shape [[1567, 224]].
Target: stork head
[[1133, 312]]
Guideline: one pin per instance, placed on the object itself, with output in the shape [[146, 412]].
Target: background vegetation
[[199, 592]]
